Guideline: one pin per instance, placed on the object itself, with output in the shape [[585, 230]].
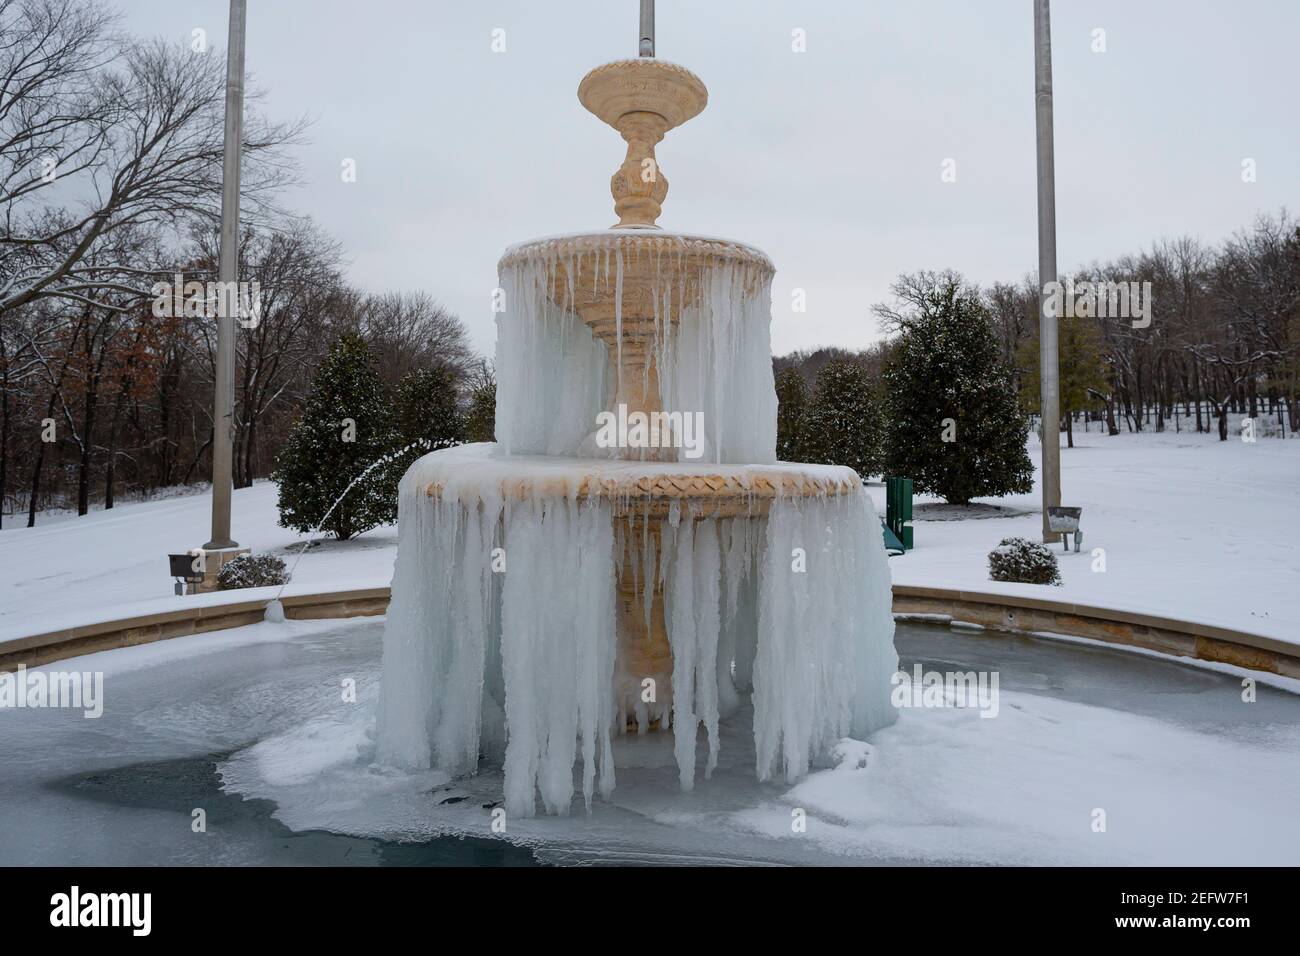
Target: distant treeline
[[110, 183], [1223, 338]]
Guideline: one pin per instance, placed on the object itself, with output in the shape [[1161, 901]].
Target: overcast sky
[[830, 160]]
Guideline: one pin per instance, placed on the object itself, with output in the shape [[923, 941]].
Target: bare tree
[[296, 268], [99, 134], [409, 330]]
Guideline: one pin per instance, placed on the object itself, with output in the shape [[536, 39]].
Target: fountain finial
[[642, 99]]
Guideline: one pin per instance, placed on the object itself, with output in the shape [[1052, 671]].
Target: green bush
[[791, 406], [844, 422], [346, 426], [955, 424], [480, 419], [428, 417]]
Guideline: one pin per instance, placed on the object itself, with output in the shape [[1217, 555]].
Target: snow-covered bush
[[1025, 561], [252, 571]]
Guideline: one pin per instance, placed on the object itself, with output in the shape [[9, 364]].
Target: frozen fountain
[[629, 557]]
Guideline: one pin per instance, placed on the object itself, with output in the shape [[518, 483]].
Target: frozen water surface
[[251, 726]]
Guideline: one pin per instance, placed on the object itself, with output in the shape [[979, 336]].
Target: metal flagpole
[[1047, 332], [223, 417], [647, 45]]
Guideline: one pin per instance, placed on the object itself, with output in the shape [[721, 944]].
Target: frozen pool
[[251, 728]]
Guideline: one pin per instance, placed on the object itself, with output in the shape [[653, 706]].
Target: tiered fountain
[[573, 582]]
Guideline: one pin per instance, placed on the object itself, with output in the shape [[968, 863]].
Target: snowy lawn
[[69, 571], [1192, 528]]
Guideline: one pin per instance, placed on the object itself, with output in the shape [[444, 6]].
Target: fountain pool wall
[[249, 724]]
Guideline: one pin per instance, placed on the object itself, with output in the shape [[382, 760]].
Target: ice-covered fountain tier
[[584, 576]]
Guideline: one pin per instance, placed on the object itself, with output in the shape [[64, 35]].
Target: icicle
[[550, 369], [825, 649], [618, 321], [523, 666], [547, 654], [711, 352], [558, 652], [679, 600], [707, 570]]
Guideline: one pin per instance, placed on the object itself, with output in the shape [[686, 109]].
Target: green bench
[[898, 514]]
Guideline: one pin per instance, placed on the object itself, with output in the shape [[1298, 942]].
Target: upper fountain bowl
[[642, 99], [644, 85]]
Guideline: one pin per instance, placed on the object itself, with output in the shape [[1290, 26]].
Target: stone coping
[[683, 249], [750, 492], [1001, 612], [1097, 612], [1030, 616], [145, 628]]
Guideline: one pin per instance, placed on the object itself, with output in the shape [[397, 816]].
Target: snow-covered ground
[[1191, 527], [69, 571]]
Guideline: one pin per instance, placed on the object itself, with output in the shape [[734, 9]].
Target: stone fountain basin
[[650, 319], [692, 247], [472, 474], [240, 722], [629, 283]]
